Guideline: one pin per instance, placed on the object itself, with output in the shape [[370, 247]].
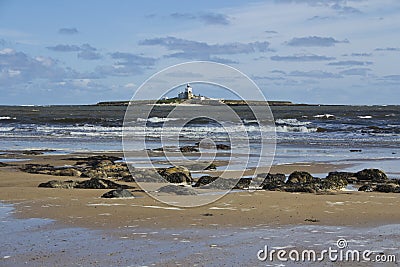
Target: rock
[[32, 152], [388, 188], [243, 183], [88, 184], [177, 190], [349, 176], [294, 188], [96, 174], [335, 180], [59, 184], [371, 175], [2, 164], [204, 180], [100, 184], [66, 172], [321, 130], [147, 175], [95, 160], [223, 183], [223, 147], [212, 166], [187, 149], [299, 177], [176, 174], [38, 168], [355, 150], [117, 193], [367, 188], [273, 181]]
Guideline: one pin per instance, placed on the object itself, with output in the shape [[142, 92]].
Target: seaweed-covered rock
[[100, 184], [212, 166], [371, 175], [176, 174], [117, 193], [224, 183], [59, 184], [299, 177], [334, 181], [204, 180], [2, 164], [223, 147], [66, 172], [96, 174], [367, 188], [297, 188], [177, 190], [273, 181], [349, 176], [388, 188], [188, 149]]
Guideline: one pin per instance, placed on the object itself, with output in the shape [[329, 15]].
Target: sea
[[357, 136]]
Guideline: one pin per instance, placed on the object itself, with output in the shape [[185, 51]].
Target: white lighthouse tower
[[187, 94]]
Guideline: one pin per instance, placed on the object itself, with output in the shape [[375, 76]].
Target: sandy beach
[[80, 216]]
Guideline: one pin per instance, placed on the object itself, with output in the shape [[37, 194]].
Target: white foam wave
[[365, 117], [292, 122], [7, 118], [325, 116], [299, 129], [157, 119]]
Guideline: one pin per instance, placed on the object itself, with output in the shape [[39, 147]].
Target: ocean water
[[342, 134]]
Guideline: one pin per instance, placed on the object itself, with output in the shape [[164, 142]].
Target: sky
[[304, 51]]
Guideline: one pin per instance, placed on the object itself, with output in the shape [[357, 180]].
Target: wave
[[7, 118], [325, 116], [365, 117], [292, 122], [291, 129], [156, 119]]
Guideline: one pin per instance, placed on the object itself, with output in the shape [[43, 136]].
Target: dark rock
[[59, 184], [2, 164], [367, 188], [224, 183], [388, 188], [177, 190], [321, 130], [212, 166], [187, 149], [32, 152], [311, 220], [299, 177], [100, 184], [95, 160], [355, 150], [207, 214], [336, 180], [176, 174], [296, 188], [96, 174], [66, 172], [243, 183], [147, 175], [117, 193], [223, 147], [371, 175], [204, 180], [273, 181]]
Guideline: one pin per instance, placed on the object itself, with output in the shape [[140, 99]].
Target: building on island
[[188, 94]]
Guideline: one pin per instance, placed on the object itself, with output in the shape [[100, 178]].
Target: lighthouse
[[187, 94]]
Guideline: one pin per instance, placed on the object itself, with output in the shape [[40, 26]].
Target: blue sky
[[305, 51]]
